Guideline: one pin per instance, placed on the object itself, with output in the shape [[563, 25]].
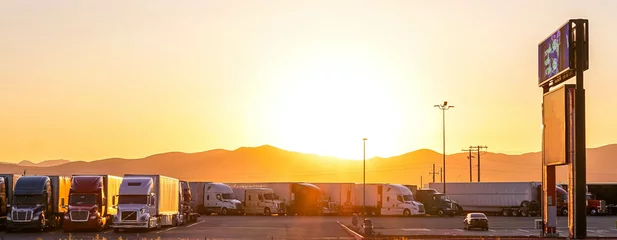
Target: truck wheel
[[564, 211], [515, 213], [406, 213], [593, 212], [224, 211], [524, 213], [440, 212], [267, 212], [505, 212]]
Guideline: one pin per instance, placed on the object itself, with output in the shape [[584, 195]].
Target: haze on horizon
[[100, 79]]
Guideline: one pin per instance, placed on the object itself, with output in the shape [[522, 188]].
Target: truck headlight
[[66, 217]]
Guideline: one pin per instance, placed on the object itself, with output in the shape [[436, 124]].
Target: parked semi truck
[[436, 203], [38, 202], [505, 198], [197, 189], [187, 206], [219, 198], [90, 205], [296, 198], [386, 199], [606, 191], [259, 201], [338, 197], [7, 184], [147, 201], [595, 206]]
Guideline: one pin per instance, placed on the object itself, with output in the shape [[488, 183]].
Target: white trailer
[[386, 199], [507, 198], [148, 201], [197, 190], [339, 196]]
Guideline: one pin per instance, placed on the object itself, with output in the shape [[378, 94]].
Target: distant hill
[[48, 163], [268, 163]]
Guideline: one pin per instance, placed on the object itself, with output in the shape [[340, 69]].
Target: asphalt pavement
[[324, 227]]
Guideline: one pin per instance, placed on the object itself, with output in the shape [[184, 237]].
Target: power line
[[478, 148], [433, 172]]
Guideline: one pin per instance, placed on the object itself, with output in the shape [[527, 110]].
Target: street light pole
[[364, 178], [443, 107]]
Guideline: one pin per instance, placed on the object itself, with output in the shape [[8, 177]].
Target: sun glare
[[328, 105]]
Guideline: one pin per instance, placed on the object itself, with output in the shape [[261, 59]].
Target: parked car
[[475, 220]]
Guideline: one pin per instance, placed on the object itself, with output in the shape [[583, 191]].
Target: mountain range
[[270, 164]]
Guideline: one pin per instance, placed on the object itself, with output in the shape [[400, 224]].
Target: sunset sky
[[86, 80]]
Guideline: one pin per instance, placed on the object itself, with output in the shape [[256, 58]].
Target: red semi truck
[[91, 202]]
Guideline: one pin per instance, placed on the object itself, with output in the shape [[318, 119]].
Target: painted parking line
[[165, 230], [195, 223], [108, 231], [491, 230], [460, 230], [416, 229], [523, 230]]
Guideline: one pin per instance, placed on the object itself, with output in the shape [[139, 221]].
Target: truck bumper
[[91, 224], [23, 225], [143, 225]]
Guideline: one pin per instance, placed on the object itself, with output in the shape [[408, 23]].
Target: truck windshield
[[228, 196], [269, 196], [82, 198], [28, 199], [133, 199], [443, 197], [408, 198]]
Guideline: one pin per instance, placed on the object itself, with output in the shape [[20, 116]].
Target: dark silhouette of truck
[[187, 206], [38, 202], [90, 205], [436, 203]]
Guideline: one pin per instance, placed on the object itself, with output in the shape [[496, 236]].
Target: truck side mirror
[[62, 203], [8, 205], [104, 203], [113, 200]]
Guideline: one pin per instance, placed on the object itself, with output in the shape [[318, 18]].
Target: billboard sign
[[558, 121], [556, 56]]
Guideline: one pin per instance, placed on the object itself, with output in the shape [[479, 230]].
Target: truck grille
[[239, 207], [21, 215], [129, 216], [421, 208], [80, 215]]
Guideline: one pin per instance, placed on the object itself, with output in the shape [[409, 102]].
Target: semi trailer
[[197, 190], [386, 199], [505, 198], [187, 206], [38, 202], [90, 205], [7, 184], [147, 201], [338, 197]]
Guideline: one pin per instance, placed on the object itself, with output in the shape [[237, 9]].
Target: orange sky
[[89, 80]]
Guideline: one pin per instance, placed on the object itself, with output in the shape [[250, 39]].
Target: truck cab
[[595, 207], [262, 201], [136, 204], [220, 199], [399, 200], [37, 203], [438, 203]]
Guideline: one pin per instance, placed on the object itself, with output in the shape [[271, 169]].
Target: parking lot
[[324, 227]]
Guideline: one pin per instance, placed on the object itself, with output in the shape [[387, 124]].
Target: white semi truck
[[259, 201], [219, 198], [295, 198], [386, 199], [147, 201]]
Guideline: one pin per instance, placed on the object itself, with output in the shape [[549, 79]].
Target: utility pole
[[470, 167], [433, 172], [478, 148], [420, 181], [443, 107]]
